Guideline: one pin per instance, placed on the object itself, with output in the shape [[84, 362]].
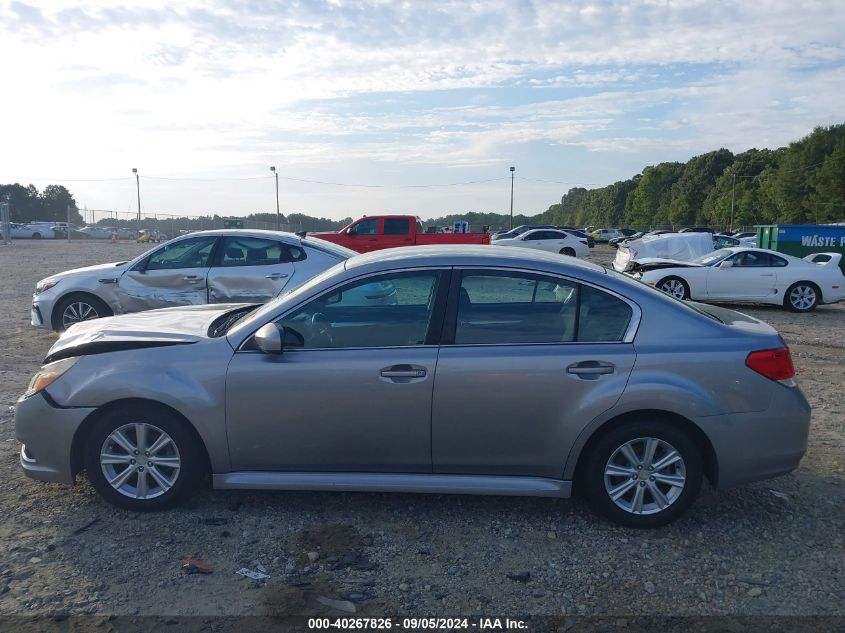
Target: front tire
[[674, 286], [76, 308], [143, 458], [642, 473], [36, 236], [801, 297]]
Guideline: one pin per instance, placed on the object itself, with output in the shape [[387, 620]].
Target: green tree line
[[801, 183], [27, 204]]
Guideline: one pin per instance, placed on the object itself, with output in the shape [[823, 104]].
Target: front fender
[[191, 380]]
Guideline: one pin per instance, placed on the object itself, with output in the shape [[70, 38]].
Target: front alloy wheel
[[78, 311], [140, 461], [143, 456], [675, 287]]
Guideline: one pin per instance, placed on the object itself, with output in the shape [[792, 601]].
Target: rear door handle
[[276, 276], [191, 278], [591, 369]]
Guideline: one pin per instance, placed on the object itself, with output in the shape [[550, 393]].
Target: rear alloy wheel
[[78, 308], [143, 458], [801, 297], [642, 474], [674, 286], [567, 251]]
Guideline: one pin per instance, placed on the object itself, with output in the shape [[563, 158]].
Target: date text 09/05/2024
[[482, 624]]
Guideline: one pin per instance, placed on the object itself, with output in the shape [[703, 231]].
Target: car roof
[[244, 233], [468, 255]]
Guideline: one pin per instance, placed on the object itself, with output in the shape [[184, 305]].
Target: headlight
[[45, 284], [49, 374]]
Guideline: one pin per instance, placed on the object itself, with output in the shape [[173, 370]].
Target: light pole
[[278, 213], [138, 189], [733, 191], [513, 169]]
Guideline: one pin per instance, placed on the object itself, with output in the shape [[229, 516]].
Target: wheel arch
[[699, 437], [77, 449]]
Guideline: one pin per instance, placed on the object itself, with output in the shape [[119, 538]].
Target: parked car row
[[59, 230], [429, 355]]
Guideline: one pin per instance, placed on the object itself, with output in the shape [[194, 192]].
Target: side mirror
[[726, 264], [269, 339]]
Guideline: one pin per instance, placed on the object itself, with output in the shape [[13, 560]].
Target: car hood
[[105, 270], [154, 328]]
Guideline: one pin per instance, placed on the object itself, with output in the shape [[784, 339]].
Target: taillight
[[774, 364], [584, 242]]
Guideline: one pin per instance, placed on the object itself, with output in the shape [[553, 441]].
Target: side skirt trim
[[406, 482]]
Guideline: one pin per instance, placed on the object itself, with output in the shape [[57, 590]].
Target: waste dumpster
[[800, 240]]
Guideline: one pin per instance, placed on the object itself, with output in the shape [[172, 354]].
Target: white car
[[21, 231], [680, 247], [99, 232], [552, 240], [755, 275], [223, 266]]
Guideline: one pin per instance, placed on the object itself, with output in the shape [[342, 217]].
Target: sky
[[416, 106]]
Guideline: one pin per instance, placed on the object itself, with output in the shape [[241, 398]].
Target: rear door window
[[515, 308], [255, 251]]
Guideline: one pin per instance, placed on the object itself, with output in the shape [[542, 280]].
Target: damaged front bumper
[[46, 431]]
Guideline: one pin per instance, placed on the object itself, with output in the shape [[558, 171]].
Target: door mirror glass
[[726, 264], [269, 339]]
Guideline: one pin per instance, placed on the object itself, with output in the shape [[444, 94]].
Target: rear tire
[[78, 307], [36, 236], [649, 490], [143, 458], [567, 251], [674, 286], [802, 296]]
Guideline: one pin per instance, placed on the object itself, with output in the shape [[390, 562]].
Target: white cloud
[[423, 87]]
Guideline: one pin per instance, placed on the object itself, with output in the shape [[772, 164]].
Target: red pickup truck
[[373, 232]]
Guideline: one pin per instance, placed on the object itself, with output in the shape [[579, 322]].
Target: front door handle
[[276, 276], [402, 373], [191, 278], [590, 369]]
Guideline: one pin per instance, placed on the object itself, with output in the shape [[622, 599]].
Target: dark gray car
[[490, 371]]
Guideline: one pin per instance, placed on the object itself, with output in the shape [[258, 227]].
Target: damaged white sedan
[[224, 266], [753, 275]]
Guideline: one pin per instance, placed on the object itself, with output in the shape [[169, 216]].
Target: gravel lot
[[771, 548]]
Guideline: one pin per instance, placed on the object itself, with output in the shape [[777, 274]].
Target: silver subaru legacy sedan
[[491, 371], [222, 266]]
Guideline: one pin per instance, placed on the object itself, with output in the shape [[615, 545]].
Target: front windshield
[[711, 258]]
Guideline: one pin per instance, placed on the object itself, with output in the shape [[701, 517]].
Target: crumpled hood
[[154, 328], [646, 262], [113, 269]]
